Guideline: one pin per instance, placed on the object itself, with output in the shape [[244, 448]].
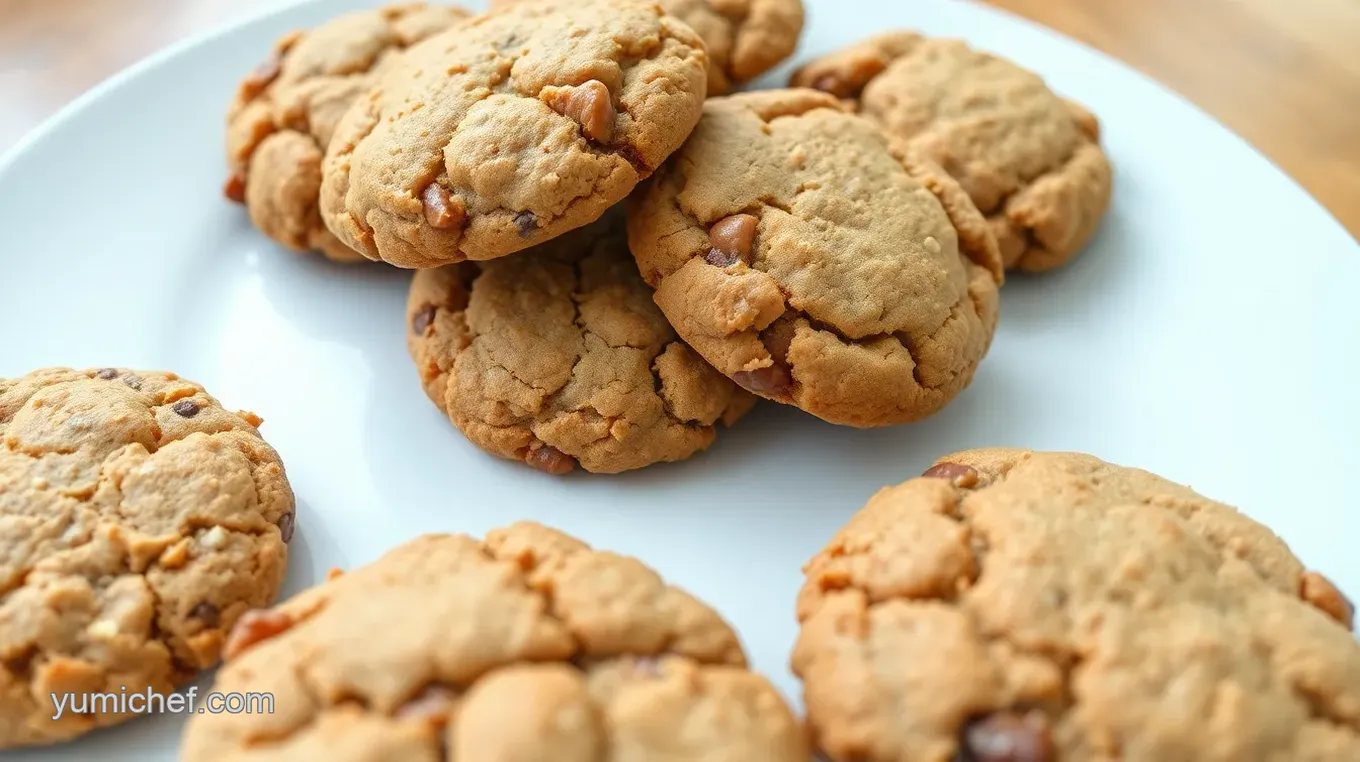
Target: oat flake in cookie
[[285, 112], [1031, 161], [138, 521], [1016, 606], [744, 38], [803, 259], [527, 646], [558, 356], [512, 129]]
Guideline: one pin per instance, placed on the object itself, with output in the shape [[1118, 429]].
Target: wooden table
[[1284, 75]]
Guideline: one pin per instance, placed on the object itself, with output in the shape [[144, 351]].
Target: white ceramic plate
[[1209, 334]]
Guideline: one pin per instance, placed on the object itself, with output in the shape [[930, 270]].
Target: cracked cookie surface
[[511, 129], [138, 521], [744, 38], [527, 646], [1031, 161], [1046, 607], [558, 356], [284, 114], [803, 259]]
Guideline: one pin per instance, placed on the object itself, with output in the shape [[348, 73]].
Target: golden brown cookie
[[527, 646], [1050, 607], [744, 38], [138, 521], [1031, 161], [802, 258], [285, 112], [558, 357], [512, 129]]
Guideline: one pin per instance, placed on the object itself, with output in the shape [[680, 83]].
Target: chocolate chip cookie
[[1037, 607], [1031, 161], [558, 357], [285, 112], [138, 521], [744, 38], [512, 129], [806, 261], [527, 646]]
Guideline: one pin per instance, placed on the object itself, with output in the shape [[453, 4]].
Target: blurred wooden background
[[1284, 75]]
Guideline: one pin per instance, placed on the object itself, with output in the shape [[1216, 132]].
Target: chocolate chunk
[[961, 475], [732, 238], [778, 338], [286, 524], [253, 627], [235, 188], [186, 408], [550, 459], [443, 211], [206, 613], [771, 381], [133, 381], [527, 223], [589, 104], [1007, 737], [108, 374], [423, 320]]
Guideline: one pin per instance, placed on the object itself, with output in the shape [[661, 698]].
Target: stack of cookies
[[614, 257]]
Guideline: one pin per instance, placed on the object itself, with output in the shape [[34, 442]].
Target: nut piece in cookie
[[284, 113], [744, 38], [809, 262], [139, 520], [528, 645], [1029, 160], [531, 120], [558, 357], [1051, 607]]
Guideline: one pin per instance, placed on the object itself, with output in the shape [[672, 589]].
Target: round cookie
[[512, 129], [138, 521], [285, 112], [802, 258], [527, 646], [558, 357], [744, 38], [1031, 161], [1048, 607]]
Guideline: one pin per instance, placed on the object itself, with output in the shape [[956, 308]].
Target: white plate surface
[[1209, 334]]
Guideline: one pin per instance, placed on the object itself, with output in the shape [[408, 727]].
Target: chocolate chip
[[108, 374], [961, 475], [206, 613], [443, 211], [550, 459], [423, 320], [720, 258], [20, 664], [235, 188], [1007, 737], [286, 524], [527, 223], [133, 381], [778, 338], [186, 408], [771, 381]]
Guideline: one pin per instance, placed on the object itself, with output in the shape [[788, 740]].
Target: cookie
[[527, 646], [806, 261], [1031, 161], [744, 38], [1037, 607], [138, 521], [285, 112], [558, 357], [509, 130]]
